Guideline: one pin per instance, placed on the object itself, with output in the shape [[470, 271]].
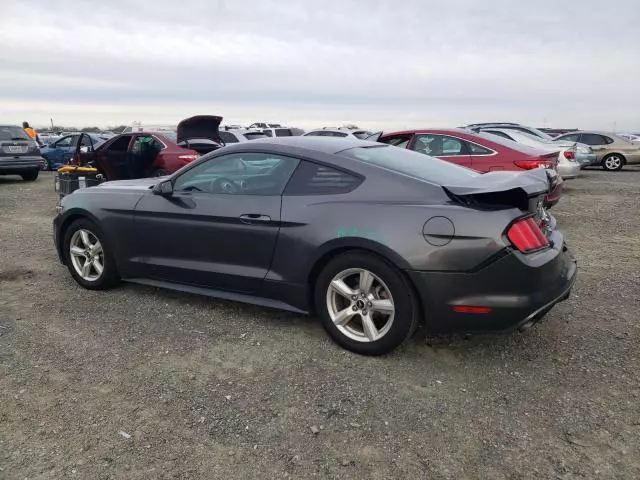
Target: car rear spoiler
[[496, 190]]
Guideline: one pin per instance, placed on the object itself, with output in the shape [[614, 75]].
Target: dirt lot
[[143, 383]]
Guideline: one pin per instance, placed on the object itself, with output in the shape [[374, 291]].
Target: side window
[[436, 145], [452, 146], [569, 138], [314, 179], [228, 137], [397, 141], [64, 142], [146, 144], [592, 139], [607, 140], [475, 149], [120, 144], [268, 133], [239, 174], [335, 134]]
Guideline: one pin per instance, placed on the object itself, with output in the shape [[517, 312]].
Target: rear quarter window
[[315, 179]]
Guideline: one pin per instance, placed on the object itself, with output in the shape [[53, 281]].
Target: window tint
[[283, 132], [476, 149], [13, 133], [569, 138], [268, 133], [592, 139], [120, 144], [438, 145], [65, 142], [239, 174], [399, 141], [413, 164], [314, 179], [228, 137]]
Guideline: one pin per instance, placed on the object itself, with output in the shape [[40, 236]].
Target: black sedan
[[372, 238]]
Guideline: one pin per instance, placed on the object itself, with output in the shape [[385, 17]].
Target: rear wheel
[[613, 162], [365, 304], [45, 164], [30, 176], [88, 257]]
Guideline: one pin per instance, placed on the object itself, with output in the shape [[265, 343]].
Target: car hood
[[199, 127], [532, 182], [136, 184]]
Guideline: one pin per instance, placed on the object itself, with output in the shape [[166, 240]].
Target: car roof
[[327, 145], [445, 131]]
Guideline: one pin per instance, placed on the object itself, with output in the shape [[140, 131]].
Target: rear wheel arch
[[336, 248]]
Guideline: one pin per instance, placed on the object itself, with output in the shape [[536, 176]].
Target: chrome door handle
[[254, 217]]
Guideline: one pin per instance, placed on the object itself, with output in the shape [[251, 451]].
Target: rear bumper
[[17, 165], [568, 170], [517, 289]]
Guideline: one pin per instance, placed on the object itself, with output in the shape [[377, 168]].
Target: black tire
[[46, 166], [607, 161], [30, 176], [109, 277], [405, 304]]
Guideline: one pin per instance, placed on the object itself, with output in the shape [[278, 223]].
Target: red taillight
[[187, 158], [526, 236], [569, 154], [531, 164]]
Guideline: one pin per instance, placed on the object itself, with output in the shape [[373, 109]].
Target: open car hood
[[532, 182], [199, 127]]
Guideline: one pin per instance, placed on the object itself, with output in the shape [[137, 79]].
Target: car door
[[218, 228], [597, 142], [445, 147], [62, 150], [113, 160]]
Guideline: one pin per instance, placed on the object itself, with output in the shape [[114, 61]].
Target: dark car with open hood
[[19, 153], [372, 238]]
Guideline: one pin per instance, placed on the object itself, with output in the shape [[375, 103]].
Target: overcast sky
[[380, 64]]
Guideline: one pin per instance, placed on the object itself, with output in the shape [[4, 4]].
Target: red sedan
[[476, 151], [136, 155]]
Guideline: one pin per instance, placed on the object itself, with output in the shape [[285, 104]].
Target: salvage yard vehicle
[[571, 156], [339, 132], [151, 154], [62, 151], [472, 150], [19, 153], [370, 237], [612, 152]]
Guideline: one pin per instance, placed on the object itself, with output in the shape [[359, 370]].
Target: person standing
[[31, 132]]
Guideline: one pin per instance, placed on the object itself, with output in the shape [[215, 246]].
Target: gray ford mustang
[[370, 237]]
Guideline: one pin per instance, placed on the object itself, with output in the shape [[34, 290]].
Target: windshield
[[541, 134], [413, 164], [13, 133], [254, 135]]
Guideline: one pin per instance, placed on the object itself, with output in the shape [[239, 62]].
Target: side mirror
[[163, 188]]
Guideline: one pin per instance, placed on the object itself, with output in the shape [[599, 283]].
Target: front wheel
[[30, 176], [88, 257], [613, 162], [365, 304]]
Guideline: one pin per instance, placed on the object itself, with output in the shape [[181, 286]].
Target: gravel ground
[[143, 383]]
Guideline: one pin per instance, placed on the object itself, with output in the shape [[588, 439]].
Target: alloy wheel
[[360, 305], [613, 162], [87, 256]]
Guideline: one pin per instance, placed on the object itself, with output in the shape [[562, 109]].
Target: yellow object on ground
[[74, 169]]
